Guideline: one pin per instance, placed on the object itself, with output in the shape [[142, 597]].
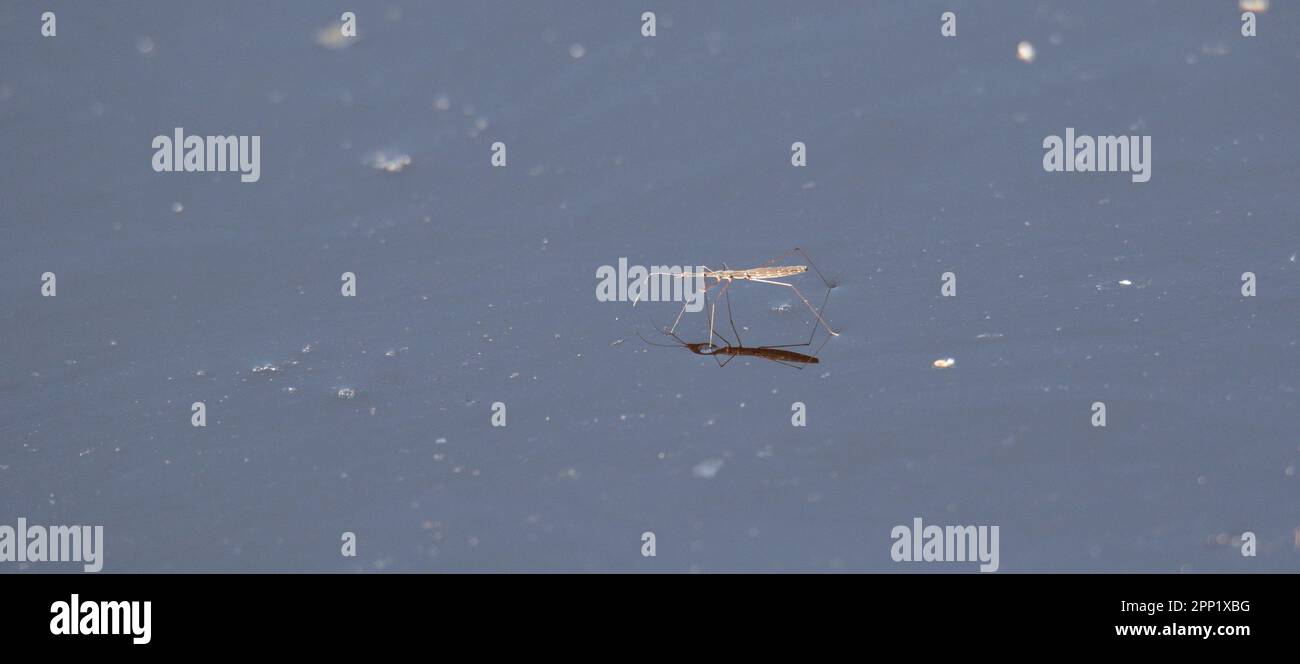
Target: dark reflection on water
[[778, 353]]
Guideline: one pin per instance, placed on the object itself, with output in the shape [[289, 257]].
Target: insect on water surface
[[765, 274]]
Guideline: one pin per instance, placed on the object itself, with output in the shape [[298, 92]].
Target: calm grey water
[[477, 285]]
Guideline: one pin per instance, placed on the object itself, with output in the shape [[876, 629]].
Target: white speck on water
[[707, 469], [388, 162], [267, 368], [577, 51], [332, 37], [346, 393], [1125, 282], [1025, 51], [178, 208], [442, 103]]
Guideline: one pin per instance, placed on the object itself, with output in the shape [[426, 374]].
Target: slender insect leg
[[801, 297], [778, 258], [732, 320], [730, 357], [703, 293], [819, 313], [811, 264], [714, 307], [813, 335], [814, 267]]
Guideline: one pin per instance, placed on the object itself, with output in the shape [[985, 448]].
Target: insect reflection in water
[[781, 354]]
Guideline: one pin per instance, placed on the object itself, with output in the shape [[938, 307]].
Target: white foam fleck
[[707, 469]]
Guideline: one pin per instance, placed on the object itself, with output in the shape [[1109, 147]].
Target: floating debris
[[1125, 282], [707, 469], [266, 369], [347, 393], [577, 51], [388, 162], [1025, 51], [944, 363], [332, 37], [1257, 6]]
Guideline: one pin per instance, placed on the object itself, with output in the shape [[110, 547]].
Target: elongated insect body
[[774, 272]]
